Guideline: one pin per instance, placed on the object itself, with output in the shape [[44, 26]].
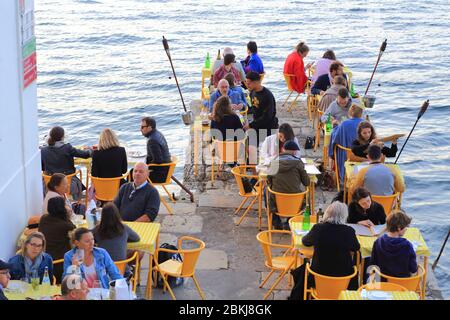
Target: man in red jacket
[[294, 65]]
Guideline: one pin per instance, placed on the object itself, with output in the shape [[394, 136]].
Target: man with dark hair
[[264, 109], [378, 178], [4, 277], [286, 174], [332, 92], [226, 68], [253, 62], [157, 149], [324, 81], [339, 108]]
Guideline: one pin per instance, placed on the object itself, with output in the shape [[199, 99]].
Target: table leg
[[424, 280], [260, 196], [149, 290], [311, 196]]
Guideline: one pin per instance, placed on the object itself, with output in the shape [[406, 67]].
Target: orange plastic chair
[[388, 202], [288, 204], [168, 181], [283, 262], [185, 269], [239, 173], [326, 287], [227, 152], [411, 283], [68, 176], [349, 156], [106, 189], [382, 286], [287, 78], [312, 103], [55, 262], [121, 265]]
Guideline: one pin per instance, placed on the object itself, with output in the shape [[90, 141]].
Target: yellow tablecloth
[[412, 234], [148, 232], [396, 295], [298, 244], [30, 293]]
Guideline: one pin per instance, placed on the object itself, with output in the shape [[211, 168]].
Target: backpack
[[164, 256], [309, 143]]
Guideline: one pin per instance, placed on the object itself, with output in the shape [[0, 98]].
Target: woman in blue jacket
[[31, 259], [96, 263]]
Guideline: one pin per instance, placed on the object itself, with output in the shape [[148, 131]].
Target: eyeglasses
[[142, 127], [131, 196], [5, 272], [34, 245]]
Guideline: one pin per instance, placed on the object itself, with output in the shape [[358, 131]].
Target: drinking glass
[[97, 290], [35, 280], [80, 255]]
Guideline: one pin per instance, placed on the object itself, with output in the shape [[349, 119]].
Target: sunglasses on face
[[142, 127]]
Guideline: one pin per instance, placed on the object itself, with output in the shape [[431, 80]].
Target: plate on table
[[135, 154], [17, 286], [379, 295]]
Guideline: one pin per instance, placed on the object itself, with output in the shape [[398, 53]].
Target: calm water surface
[[101, 64]]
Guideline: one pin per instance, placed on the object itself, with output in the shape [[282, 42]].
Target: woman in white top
[[57, 187], [271, 147]]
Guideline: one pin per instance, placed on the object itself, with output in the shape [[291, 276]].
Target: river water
[[101, 64]]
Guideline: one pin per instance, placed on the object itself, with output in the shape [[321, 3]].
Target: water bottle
[[353, 94], [328, 125], [306, 219], [46, 283], [207, 61]]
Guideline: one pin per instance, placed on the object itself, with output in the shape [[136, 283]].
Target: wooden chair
[[121, 265], [227, 152], [283, 262], [388, 202], [106, 189], [411, 283], [326, 287], [240, 173], [168, 181], [68, 177], [288, 204], [185, 269]]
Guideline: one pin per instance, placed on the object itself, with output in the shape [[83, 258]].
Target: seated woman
[[96, 264], [367, 136], [112, 235], [110, 160], [323, 65], [57, 187], [272, 145], [393, 254], [227, 67], [57, 157], [362, 210], [56, 226], [225, 119], [32, 259]]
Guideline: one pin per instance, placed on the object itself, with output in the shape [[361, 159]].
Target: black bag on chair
[[309, 143], [164, 256]]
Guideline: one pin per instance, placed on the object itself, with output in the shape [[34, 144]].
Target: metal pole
[[442, 249], [382, 48], [184, 188]]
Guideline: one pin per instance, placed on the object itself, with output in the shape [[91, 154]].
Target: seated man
[[253, 61], [227, 67], [338, 109], [138, 200], [237, 65], [378, 178], [324, 81], [286, 174], [157, 149], [223, 89], [344, 135], [4, 278], [73, 287], [331, 94]]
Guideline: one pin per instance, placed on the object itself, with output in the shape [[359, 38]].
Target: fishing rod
[[421, 112], [191, 195], [187, 116], [442, 249], [382, 48]]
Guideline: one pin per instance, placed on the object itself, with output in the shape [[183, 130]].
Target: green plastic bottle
[[306, 219], [207, 61], [328, 125]]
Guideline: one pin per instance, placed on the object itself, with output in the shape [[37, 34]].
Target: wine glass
[[35, 280], [80, 255]]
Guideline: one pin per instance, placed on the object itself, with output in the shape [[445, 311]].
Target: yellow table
[[199, 130], [396, 295], [298, 244], [30, 293], [412, 234], [206, 73]]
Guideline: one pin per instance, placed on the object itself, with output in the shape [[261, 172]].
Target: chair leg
[[266, 278], [281, 276], [293, 103], [169, 209], [168, 193], [287, 99], [241, 205], [198, 287], [166, 284], [246, 211], [212, 168]]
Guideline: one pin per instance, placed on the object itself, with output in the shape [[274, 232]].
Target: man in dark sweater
[[324, 81], [157, 149], [138, 200], [4, 278]]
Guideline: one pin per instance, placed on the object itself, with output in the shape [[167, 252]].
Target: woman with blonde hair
[[31, 259], [110, 160]]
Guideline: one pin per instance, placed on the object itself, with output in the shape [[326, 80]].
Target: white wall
[[20, 175]]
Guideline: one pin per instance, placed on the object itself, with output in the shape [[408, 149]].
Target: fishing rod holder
[[188, 117], [368, 101]]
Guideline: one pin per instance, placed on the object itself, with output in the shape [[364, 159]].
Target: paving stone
[[211, 259], [168, 238], [182, 224], [220, 201]]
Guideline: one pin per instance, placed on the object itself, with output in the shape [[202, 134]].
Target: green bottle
[[306, 219], [207, 61], [328, 125]]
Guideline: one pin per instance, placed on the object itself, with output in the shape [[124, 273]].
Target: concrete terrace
[[231, 266]]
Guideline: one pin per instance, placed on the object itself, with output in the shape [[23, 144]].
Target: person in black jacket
[[324, 81], [57, 157], [110, 160], [366, 137], [225, 119], [157, 149], [4, 277], [362, 210]]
